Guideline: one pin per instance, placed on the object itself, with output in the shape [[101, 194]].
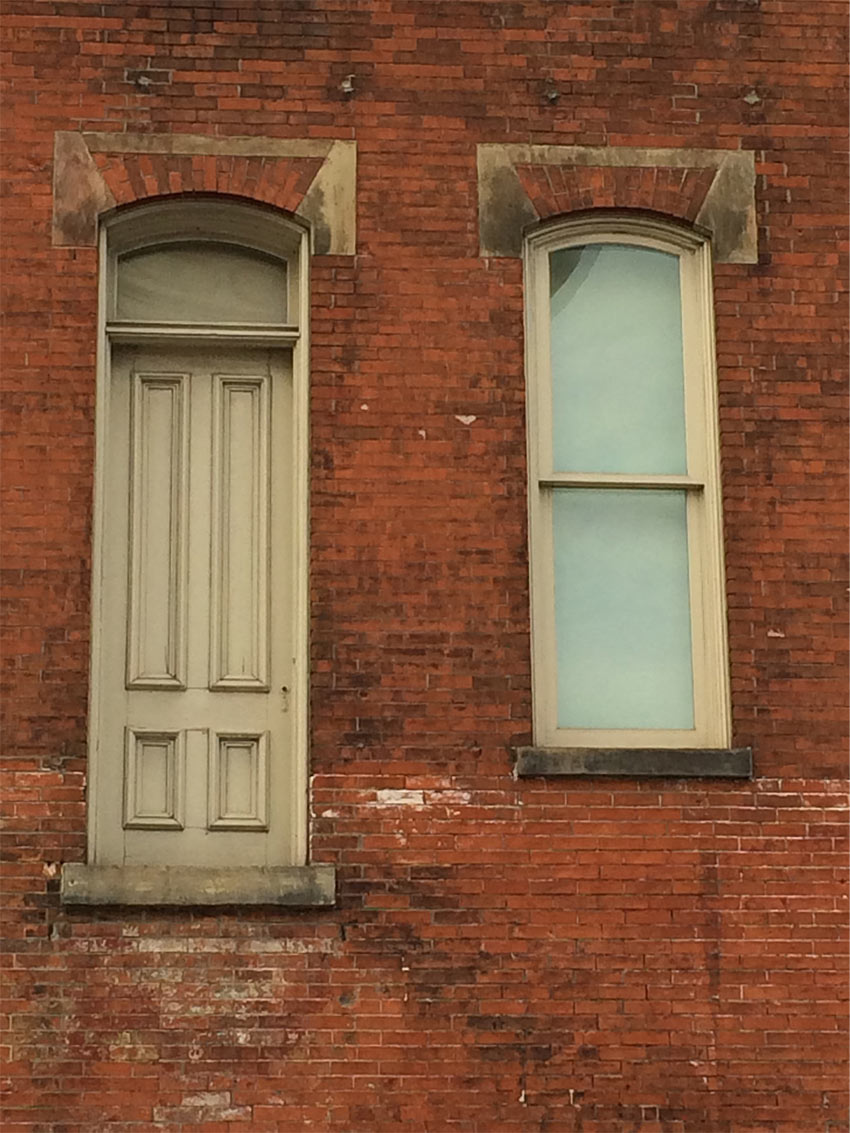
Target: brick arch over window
[[674, 192], [312, 179], [519, 185]]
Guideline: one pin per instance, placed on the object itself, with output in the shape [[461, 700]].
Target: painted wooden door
[[197, 603]]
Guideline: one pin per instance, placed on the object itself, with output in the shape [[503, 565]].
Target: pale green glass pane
[[617, 372], [622, 609], [201, 283]]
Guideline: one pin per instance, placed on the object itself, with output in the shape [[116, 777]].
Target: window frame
[[248, 226], [711, 686]]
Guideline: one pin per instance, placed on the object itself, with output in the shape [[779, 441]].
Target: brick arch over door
[[312, 179], [134, 177]]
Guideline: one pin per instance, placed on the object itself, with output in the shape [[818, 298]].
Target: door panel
[[194, 733], [240, 534], [159, 491]]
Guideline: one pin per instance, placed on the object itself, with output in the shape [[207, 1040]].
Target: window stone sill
[[292, 886], [636, 763]]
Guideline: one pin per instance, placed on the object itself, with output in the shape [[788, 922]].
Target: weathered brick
[[506, 954]]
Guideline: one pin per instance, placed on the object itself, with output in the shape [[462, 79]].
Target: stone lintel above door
[[314, 179]]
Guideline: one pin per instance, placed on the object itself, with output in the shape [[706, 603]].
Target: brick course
[[506, 955]]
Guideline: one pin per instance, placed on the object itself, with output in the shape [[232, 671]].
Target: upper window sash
[[697, 340]]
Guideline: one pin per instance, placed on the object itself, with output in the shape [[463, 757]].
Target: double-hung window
[[628, 612]]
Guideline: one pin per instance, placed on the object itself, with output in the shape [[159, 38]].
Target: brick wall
[[508, 955]]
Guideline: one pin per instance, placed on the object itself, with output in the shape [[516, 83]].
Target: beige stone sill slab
[[293, 886]]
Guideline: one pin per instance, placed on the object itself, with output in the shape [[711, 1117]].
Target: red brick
[[506, 955]]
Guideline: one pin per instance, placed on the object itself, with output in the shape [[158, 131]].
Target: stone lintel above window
[[712, 189]]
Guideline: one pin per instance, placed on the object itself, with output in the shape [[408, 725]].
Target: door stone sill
[[293, 886]]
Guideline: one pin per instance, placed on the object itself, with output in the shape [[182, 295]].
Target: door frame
[[265, 230]]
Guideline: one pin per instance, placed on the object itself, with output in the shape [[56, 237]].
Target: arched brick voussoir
[[554, 190], [520, 184], [285, 183], [95, 172]]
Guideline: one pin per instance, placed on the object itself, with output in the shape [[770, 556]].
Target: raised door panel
[[238, 792], [154, 779], [239, 611], [159, 469], [194, 731]]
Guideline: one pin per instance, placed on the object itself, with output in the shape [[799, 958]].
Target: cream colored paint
[[154, 780], [215, 763], [227, 738], [705, 533], [240, 558], [238, 783], [159, 500]]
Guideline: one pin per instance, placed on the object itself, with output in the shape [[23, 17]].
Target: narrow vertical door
[[196, 655]]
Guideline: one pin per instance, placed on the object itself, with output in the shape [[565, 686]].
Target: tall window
[[628, 605], [198, 720]]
